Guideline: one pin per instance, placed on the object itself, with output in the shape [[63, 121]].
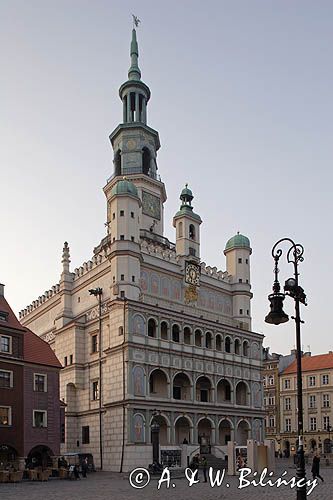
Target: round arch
[[204, 389], [224, 390], [182, 386], [183, 429], [158, 383], [225, 426], [164, 424], [243, 431], [40, 456], [242, 392]]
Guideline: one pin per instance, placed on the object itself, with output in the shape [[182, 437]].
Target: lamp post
[[155, 437], [277, 316], [97, 292]]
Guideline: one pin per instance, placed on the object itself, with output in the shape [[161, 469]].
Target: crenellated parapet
[[214, 273], [54, 290]]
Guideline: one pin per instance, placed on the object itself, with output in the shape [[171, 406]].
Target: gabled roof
[[312, 363], [12, 321], [37, 351]]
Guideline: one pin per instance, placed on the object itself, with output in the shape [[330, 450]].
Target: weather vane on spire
[[136, 21]]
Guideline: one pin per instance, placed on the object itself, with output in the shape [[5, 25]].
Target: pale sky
[[242, 99]]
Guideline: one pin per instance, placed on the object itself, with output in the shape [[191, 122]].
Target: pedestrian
[[316, 466], [76, 472], [195, 465], [85, 467], [204, 468]]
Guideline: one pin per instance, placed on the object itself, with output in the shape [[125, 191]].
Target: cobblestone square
[[105, 485]]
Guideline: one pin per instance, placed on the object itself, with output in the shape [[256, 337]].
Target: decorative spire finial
[[65, 258], [134, 72]]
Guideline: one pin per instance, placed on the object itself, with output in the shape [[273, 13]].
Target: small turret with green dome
[[186, 197], [124, 186], [238, 241]]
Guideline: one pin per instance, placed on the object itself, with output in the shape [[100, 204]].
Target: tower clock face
[[192, 273], [151, 205]]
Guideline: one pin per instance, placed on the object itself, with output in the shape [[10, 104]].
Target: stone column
[[129, 118], [124, 109], [144, 110], [137, 111]]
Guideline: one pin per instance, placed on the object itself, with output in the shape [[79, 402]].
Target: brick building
[[29, 393]]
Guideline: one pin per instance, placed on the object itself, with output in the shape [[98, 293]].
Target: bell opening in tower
[[146, 157]]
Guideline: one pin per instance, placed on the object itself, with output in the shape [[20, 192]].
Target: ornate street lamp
[[155, 437], [276, 316], [97, 292]]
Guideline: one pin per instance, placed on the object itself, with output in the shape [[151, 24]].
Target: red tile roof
[[36, 350], [312, 363], [12, 321]]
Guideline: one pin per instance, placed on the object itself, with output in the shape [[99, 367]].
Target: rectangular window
[[192, 251], [6, 379], [287, 425], [132, 238], [239, 260], [122, 277], [204, 395], [313, 424], [122, 294], [246, 261], [113, 216], [85, 434], [312, 381], [3, 316], [326, 422], [271, 400], [71, 359], [40, 382], [326, 400], [5, 344], [132, 215], [325, 380], [133, 279], [287, 404], [5, 415], [240, 280], [287, 384], [122, 237], [271, 421], [94, 344], [39, 418], [95, 390], [312, 401], [122, 213], [65, 361], [62, 433], [241, 311]]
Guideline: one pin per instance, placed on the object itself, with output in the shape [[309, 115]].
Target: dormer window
[[3, 316]]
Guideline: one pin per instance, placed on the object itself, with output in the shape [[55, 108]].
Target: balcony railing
[[135, 170]]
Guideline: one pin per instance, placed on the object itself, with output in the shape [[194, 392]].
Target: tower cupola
[[187, 224]]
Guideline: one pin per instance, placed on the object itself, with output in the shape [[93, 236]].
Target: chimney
[[2, 290]]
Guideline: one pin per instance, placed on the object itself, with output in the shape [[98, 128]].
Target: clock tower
[[135, 147]]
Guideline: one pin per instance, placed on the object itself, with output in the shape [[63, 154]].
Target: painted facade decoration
[[139, 381]]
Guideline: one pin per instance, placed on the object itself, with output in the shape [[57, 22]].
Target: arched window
[[146, 160], [218, 341], [208, 340], [187, 335], [192, 232], [198, 338], [164, 330], [180, 230], [227, 344], [237, 346], [117, 162], [151, 328], [175, 333], [245, 348]]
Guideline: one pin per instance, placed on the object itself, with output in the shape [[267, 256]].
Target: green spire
[[134, 72]]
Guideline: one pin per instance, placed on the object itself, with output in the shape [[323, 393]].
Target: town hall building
[[144, 329]]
